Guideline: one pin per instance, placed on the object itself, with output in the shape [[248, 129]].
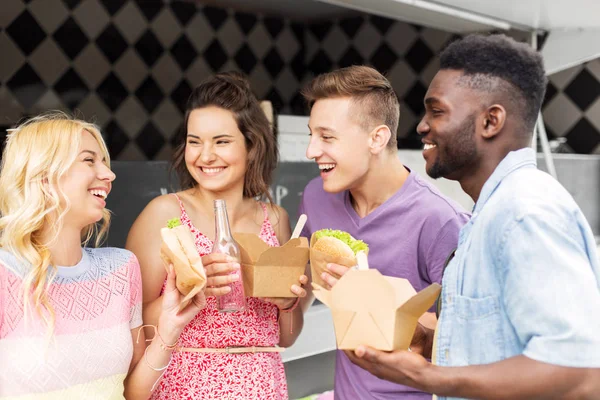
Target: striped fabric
[[97, 303]]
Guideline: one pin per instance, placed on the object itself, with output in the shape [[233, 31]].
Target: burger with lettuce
[[333, 246]]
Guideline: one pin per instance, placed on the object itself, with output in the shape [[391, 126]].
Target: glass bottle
[[224, 243]]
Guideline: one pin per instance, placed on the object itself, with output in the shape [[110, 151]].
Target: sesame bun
[[333, 247]]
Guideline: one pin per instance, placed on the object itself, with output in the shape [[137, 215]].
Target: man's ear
[[493, 121], [379, 138]]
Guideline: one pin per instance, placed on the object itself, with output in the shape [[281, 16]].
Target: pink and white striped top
[[97, 303]]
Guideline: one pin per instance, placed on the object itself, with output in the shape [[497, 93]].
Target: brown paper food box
[[319, 261], [271, 271], [375, 310]]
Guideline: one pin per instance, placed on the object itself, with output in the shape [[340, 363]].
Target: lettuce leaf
[[173, 222], [355, 244]]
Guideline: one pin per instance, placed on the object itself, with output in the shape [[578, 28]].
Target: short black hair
[[483, 58]]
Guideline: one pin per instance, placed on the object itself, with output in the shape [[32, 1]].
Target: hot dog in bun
[[178, 248]]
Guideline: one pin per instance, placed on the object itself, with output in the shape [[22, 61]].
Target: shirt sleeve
[[135, 292], [550, 291], [440, 248]]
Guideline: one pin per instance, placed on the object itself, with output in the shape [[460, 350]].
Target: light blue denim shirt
[[525, 278]]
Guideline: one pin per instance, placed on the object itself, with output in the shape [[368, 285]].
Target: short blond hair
[[372, 94]]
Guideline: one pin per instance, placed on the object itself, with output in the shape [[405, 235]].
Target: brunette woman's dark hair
[[231, 91]]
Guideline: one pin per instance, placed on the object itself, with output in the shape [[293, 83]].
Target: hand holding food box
[[369, 308]]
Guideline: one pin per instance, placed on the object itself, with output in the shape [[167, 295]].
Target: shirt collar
[[514, 160]]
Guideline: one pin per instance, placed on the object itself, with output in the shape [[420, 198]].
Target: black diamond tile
[[273, 63], [215, 56], [112, 91], [298, 105], [384, 58], [26, 32], [320, 63], [541, 39], [112, 6], [149, 94], [3, 133], [179, 136], [245, 21], [181, 94], [215, 16], [71, 4], [184, 11], [320, 30], [149, 48], [583, 137], [116, 139], [71, 89], [274, 26], [150, 141], [151, 8], [583, 90], [183, 52], [382, 24], [551, 91], [549, 133], [414, 98], [70, 38], [412, 141], [298, 31], [275, 98], [111, 43], [351, 25], [419, 56], [451, 40], [245, 59], [27, 86], [298, 66], [350, 57]]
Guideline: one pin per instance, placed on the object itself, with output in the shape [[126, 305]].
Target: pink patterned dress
[[221, 375]]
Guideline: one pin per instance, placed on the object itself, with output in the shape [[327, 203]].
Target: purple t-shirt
[[409, 236]]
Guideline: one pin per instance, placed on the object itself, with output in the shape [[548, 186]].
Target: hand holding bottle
[[224, 243], [220, 270]]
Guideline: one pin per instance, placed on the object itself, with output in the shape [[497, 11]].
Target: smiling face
[[449, 127], [338, 144], [87, 183], [215, 150]]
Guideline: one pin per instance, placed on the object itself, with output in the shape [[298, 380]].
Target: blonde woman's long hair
[[38, 153]]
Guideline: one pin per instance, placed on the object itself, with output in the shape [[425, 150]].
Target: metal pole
[[535, 128], [546, 147], [540, 130]]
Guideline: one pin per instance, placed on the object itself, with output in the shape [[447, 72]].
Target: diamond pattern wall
[[130, 66], [572, 107]]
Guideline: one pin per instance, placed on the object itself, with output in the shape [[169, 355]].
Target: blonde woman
[[70, 315]]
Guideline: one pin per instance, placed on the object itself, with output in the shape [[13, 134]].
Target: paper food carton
[[375, 310], [319, 261], [271, 271]]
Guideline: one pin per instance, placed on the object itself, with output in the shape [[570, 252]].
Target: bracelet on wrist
[[289, 311], [163, 345], [153, 367]]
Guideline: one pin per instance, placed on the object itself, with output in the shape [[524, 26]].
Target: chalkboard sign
[[138, 182]]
